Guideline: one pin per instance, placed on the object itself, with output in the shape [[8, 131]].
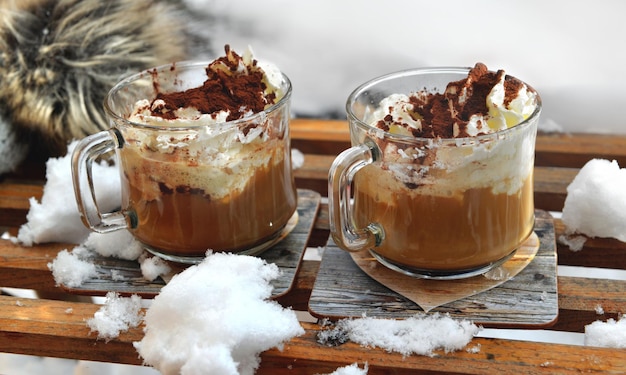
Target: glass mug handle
[[340, 178], [87, 150]]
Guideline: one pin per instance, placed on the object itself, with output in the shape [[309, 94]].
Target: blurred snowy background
[[570, 51]]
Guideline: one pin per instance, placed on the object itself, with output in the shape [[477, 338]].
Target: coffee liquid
[[185, 220], [456, 230]]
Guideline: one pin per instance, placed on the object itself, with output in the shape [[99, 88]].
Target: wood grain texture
[[573, 150], [343, 290], [125, 277], [430, 294], [47, 327], [58, 329]]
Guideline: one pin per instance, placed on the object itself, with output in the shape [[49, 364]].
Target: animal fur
[[58, 59]]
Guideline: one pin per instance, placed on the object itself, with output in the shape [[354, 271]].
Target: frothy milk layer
[[213, 168], [502, 165]]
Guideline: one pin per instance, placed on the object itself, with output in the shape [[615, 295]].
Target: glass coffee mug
[[188, 188], [431, 208]]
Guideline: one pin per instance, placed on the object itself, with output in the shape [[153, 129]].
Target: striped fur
[[58, 58]]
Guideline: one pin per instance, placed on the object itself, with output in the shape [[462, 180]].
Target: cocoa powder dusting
[[235, 90], [511, 88], [443, 112]]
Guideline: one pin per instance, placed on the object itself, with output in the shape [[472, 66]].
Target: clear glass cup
[[431, 208], [188, 189]]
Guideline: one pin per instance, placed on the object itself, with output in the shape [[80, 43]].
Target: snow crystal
[[56, 217], [119, 244], [153, 267], [420, 334], [68, 269], [596, 203], [352, 369], [216, 318], [116, 315], [609, 334]]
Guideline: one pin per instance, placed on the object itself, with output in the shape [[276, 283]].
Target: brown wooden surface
[[57, 328], [286, 254]]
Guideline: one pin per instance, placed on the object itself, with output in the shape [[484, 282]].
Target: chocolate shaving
[[238, 91], [446, 115]]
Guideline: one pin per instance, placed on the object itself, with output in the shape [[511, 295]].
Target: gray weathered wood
[[286, 254], [343, 290]]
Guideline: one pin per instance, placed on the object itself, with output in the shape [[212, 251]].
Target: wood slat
[[319, 137], [58, 329], [347, 287], [550, 188], [574, 150], [570, 150], [14, 203], [550, 180], [55, 328], [27, 268], [494, 356], [587, 294], [597, 252]]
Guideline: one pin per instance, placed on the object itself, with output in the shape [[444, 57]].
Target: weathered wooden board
[[529, 300], [125, 276], [430, 295]]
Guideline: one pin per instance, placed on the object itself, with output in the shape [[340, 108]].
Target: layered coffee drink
[[208, 167], [452, 188], [436, 228], [184, 209]]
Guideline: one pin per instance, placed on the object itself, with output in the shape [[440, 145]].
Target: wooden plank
[[303, 355], [571, 150], [575, 149], [550, 183], [527, 300], [300, 292], [575, 321], [550, 186], [320, 130], [125, 276], [315, 167], [32, 170], [14, 201], [58, 329], [319, 137], [597, 252], [27, 267], [586, 294]]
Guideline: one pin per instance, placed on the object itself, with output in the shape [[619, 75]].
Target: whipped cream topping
[[221, 127], [236, 87], [448, 158], [482, 103]]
